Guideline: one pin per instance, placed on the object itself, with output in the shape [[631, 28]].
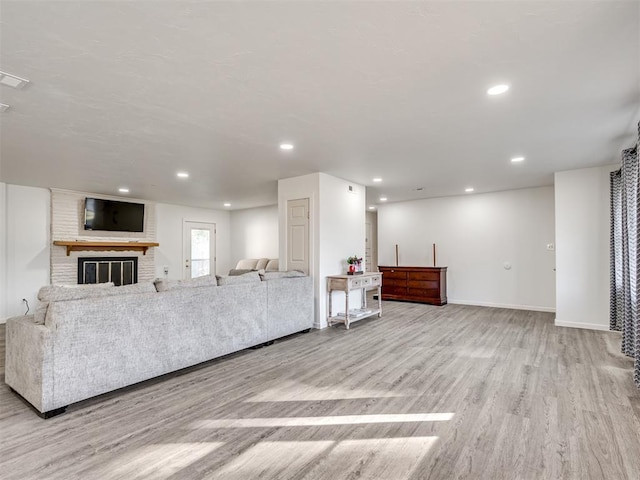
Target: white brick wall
[[67, 220]]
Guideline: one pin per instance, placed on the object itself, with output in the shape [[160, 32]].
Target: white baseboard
[[587, 326], [533, 308]]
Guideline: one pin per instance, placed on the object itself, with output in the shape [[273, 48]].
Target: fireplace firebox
[[119, 270]]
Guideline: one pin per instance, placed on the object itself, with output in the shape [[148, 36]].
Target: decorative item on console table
[[415, 284], [355, 265]]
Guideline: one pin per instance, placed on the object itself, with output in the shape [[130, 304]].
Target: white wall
[[475, 236], [25, 242], [336, 229], [26, 246], [372, 218], [254, 233], [342, 232], [306, 186], [582, 199], [169, 220], [3, 251]]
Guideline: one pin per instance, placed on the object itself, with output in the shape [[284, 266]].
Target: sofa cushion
[[251, 277], [287, 274], [40, 313], [234, 272], [262, 264], [56, 293], [247, 264], [272, 266], [142, 287], [164, 285]]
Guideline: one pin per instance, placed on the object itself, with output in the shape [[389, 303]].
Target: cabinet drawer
[[423, 292], [337, 284], [355, 282], [395, 282], [365, 282], [394, 274], [423, 283], [424, 275], [387, 290], [375, 280]]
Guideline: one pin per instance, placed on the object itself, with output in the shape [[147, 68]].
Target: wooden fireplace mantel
[[102, 246]]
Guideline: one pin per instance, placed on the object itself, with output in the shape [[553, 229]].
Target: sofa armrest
[[29, 362]]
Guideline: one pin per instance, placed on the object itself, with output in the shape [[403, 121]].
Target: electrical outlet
[[165, 269], [551, 246]]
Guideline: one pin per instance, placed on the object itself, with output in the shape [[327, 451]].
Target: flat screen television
[[112, 216]]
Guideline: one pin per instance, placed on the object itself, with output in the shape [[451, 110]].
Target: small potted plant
[[355, 265]]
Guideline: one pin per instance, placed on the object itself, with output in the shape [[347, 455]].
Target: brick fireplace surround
[[67, 215]]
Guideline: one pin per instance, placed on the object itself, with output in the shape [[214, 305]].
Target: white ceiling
[[128, 93]]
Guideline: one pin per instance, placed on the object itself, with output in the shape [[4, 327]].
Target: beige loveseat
[[259, 264]]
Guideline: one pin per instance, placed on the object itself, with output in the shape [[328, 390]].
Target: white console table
[[346, 283]]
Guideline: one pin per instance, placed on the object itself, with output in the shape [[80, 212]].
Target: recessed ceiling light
[[4, 107], [12, 81], [468, 190], [227, 204], [517, 159], [377, 179], [498, 89], [182, 175], [383, 199], [286, 146], [372, 207], [123, 190]]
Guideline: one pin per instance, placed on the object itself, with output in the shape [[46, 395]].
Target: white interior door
[[298, 235], [368, 247], [199, 248]]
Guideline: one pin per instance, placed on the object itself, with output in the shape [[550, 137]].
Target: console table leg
[[346, 311]]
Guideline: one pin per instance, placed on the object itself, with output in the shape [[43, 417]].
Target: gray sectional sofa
[[87, 341]]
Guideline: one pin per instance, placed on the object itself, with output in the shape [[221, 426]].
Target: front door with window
[[199, 249]]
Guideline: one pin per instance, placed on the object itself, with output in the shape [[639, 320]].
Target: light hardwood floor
[[454, 392]]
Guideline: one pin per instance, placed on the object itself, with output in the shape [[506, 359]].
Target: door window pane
[[200, 252]]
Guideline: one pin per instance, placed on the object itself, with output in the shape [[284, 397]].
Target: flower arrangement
[[355, 265], [353, 260]]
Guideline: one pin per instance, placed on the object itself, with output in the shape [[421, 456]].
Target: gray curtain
[[625, 256], [616, 292]]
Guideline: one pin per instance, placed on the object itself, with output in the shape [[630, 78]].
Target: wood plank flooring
[[453, 392]]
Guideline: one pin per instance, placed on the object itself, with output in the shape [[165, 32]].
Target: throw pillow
[[262, 264], [247, 264], [272, 266]]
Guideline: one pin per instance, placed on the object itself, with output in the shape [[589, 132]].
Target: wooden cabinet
[[415, 284]]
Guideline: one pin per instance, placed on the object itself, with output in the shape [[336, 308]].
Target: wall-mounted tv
[[112, 216]]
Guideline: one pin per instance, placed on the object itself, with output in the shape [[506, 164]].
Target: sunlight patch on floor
[[299, 392], [274, 460], [321, 421], [393, 458], [157, 461]]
